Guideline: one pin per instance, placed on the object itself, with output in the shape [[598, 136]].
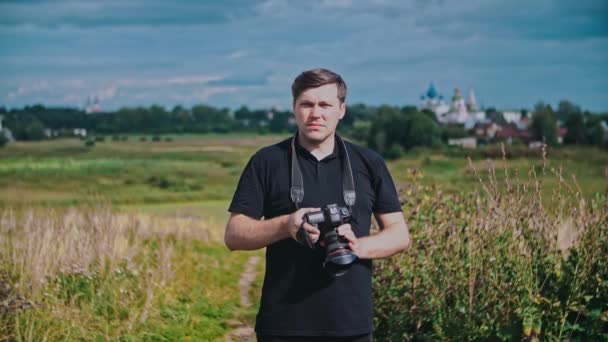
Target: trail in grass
[[245, 332]]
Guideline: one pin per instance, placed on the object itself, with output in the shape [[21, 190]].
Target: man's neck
[[318, 149]]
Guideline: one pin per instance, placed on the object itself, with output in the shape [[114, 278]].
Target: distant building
[[511, 133], [464, 142], [94, 107], [433, 101], [487, 130], [561, 134], [458, 112], [81, 132]]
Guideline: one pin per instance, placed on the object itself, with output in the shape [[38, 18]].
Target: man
[[300, 301]]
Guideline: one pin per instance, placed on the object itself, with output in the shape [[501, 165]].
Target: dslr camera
[[338, 257]]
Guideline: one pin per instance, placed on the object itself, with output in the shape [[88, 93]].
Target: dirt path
[[244, 332]]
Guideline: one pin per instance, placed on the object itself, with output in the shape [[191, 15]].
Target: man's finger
[[343, 229], [310, 229]]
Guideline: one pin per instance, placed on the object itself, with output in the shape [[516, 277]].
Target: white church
[[458, 111]]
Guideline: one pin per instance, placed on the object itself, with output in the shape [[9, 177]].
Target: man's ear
[[342, 109]]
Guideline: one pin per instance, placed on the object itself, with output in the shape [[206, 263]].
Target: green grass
[[196, 304], [193, 178], [197, 168], [63, 172]]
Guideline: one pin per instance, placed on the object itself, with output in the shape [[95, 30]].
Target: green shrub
[[497, 265], [3, 139], [89, 143], [156, 138]]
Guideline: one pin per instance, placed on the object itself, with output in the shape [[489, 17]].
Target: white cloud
[[206, 93], [337, 3], [238, 54]]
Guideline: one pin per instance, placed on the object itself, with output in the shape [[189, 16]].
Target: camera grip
[[303, 238]]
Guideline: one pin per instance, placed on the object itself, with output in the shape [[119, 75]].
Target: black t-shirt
[[298, 296]]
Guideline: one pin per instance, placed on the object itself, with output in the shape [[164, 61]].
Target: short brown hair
[[315, 78]]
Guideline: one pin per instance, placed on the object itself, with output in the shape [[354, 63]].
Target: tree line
[[389, 130]]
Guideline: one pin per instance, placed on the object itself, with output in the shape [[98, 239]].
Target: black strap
[[297, 183]]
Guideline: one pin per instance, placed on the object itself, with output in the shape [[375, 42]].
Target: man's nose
[[315, 111]]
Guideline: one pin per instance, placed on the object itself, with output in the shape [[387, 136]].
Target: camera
[[338, 257]]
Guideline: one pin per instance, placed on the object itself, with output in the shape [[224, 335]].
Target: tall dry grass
[[498, 263], [83, 262]]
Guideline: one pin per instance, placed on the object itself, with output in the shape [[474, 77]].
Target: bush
[[168, 139], [394, 152], [3, 139], [100, 138], [115, 138], [497, 265], [156, 138], [89, 143], [143, 138]]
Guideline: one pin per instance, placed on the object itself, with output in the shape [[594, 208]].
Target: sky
[[229, 53]]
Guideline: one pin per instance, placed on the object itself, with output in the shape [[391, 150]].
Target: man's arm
[[393, 237], [246, 233]]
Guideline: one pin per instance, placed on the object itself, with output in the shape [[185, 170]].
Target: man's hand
[[354, 243], [295, 221]]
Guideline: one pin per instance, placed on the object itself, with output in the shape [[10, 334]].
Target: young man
[[300, 301]]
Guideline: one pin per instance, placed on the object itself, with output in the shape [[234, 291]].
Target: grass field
[[206, 168], [183, 283]]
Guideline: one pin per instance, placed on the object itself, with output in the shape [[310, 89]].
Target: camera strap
[[297, 182]]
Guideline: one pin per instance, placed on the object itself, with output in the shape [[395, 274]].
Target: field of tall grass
[[122, 241], [496, 264], [88, 273]]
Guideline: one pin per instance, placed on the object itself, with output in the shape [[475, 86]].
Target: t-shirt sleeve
[[248, 198], [387, 200]]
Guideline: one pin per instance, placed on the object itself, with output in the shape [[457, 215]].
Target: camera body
[[338, 256]]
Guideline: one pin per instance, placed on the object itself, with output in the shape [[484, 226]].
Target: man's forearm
[[245, 233], [391, 240]]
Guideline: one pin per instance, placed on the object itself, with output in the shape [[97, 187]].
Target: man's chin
[[316, 137]]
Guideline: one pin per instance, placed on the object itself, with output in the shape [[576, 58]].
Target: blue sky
[[231, 53]]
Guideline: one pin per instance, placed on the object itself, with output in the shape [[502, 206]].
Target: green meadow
[[150, 262], [204, 169]]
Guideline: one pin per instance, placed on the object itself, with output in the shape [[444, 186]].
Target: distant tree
[[279, 122], [3, 140], [382, 133], [565, 109], [394, 130], [422, 131], [594, 132], [544, 124], [360, 130], [430, 114], [496, 117], [453, 131], [576, 129], [242, 113], [358, 112]]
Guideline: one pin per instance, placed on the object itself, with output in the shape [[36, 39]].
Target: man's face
[[318, 111]]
